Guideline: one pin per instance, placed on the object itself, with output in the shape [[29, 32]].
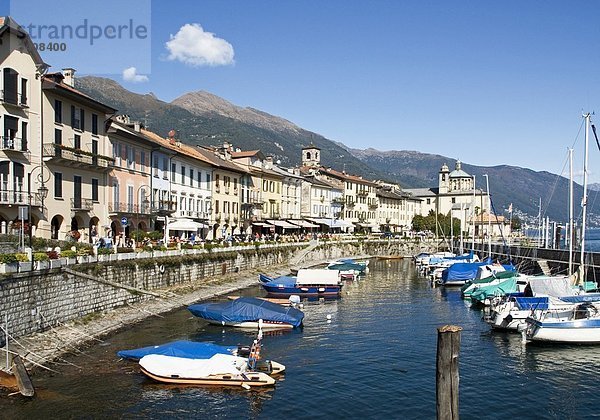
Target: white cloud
[[195, 47], [130, 75]]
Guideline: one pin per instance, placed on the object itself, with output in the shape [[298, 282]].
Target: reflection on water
[[369, 354]]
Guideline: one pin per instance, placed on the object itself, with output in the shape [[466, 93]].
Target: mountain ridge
[[203, 118]]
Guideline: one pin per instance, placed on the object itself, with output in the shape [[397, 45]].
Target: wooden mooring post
[[448, 347]]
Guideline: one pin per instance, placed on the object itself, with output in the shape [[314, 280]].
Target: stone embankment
[[52, 312]]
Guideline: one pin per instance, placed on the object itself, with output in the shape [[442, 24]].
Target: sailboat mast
[[473, 215], [584, 199], [570, 230], [489, 231]]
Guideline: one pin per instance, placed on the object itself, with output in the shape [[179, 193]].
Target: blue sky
[[486, 82]]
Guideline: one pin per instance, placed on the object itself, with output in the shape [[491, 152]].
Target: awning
[[303, 223], [185, 224], [327, 222], [339, 223], [260, 224], [283, 224]]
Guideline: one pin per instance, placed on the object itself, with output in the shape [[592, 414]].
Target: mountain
[[508, 184], [206, 119]]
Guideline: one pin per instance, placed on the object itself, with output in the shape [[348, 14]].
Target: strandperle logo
[[87, 30]]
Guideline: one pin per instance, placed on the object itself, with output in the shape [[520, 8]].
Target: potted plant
[[41, 260], [8, 263]]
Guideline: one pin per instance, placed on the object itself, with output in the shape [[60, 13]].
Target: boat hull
[[253, 379], [266, 325], [286, 291], [584, 331]]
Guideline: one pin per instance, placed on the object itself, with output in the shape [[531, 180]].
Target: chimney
[[172, 137], [136, 126], [69, 76], [268, 162]]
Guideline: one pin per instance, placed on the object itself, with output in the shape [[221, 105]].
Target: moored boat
[[308, 282], [246, 312], [221, 370]]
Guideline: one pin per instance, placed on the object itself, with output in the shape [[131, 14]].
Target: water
[[592, 238], [375, 359]]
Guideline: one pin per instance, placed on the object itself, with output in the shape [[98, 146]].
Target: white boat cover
[[168, 366], [317, 276], [551, 286], [488, 270]]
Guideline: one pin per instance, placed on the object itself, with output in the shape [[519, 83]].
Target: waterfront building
[[396, 208], [23, 177], [77, 153], [291, 192], [130, 180], [455, 194], [226, 193]]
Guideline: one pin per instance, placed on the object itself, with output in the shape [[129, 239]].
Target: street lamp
[[42, 193], [487, 186]]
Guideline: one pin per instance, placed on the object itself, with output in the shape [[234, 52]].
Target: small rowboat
[[221, 370]]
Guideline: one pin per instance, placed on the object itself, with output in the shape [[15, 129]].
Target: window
[[23, 91], [57, 185], [116, 154], [207, 181], [24, 136], [77, 142], [57, 111], [453, 200], [116, 196], [216, 206], [75, 117], [130, 198], [235, 183], [165, 167], [173, 171], [191, 177], [94, 189], [10, 85], [142, 160], [57, 136], [11, 126], [217, 180], [155, 164], [182, 175], [429, 201], [94, 124], [131, 157], [199, 179]]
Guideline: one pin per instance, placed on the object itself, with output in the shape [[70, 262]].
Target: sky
[[489, 83]]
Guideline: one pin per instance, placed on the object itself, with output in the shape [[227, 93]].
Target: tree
[[515, 223]]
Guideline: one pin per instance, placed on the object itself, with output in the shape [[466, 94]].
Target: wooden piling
[[23, 380], [448, 348]]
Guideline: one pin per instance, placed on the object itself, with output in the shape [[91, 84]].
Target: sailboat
[[579, 322]]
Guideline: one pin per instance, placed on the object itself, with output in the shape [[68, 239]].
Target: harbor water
[[374, 358]]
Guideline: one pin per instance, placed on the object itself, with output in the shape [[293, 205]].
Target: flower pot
[[9, 268]]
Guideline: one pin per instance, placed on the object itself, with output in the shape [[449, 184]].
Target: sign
[[24, 212], [124, 221]]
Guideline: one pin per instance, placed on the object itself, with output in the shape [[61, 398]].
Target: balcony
[[362, 193], [164, 207], [129, 208], [350, 204], [217, 189], [69, 156], [10, 197], [81, 204], [339, 201], [14, 144], [235, 191], [13, 98], [373, 205]]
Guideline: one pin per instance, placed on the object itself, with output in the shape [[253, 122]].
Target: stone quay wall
[[37, 300]]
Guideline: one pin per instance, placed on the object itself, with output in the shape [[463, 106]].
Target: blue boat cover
[[287, 281], [528, 303], [463, 271], [247, 309], [182, 348], [584, 297]]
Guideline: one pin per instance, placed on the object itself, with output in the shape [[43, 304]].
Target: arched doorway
[[142, 226], [55, 225]]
